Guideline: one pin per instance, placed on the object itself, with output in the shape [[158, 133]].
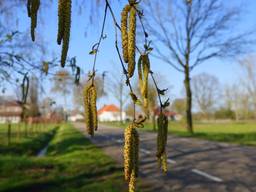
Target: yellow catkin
[[131, 155], [61, 7], [32, 8], [94, 107], [143, 73], [132, 183], [164, 162], [128, 152], [66, 31], [87, 115], [90, 109], [136, 151], [162, 123], [124, 33], [131, 41]]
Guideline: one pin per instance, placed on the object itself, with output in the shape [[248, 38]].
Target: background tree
[[61, 84], [248, 68], [206, 90], [115, 84], [33, 110], [193, 32]]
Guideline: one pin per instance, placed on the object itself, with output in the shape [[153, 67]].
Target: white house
[[76, 116], [10, 111], [110, 113]]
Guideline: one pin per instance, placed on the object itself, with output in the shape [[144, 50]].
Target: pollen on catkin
[[61, 7], [90, 97], [143, 73], [131, 155], [66, 31], [162, 131], [124, 32], [131, 41]]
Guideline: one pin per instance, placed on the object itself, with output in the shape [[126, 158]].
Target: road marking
[[119, 140], [171, 161], [211, 177], [145, 151]]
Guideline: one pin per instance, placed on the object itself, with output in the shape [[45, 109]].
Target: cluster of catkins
[[90, 97], [129, 36], [32, 9], [131, 155], [64, 24]]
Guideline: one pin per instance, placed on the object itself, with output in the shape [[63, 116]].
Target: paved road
[[194, 165]]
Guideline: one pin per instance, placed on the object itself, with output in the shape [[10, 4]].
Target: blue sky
[[227, 71]]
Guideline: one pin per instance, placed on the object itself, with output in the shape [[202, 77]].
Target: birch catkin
[[61, 7], [131, 155], [32, 10], [131, 41], [64, 24], [162, 123], [143, 73], [90, 97], [124, 32]]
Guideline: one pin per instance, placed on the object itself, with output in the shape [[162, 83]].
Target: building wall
[[11, 119], [111, 116]]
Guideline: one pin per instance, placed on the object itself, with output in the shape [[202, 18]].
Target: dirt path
[[194, 165]]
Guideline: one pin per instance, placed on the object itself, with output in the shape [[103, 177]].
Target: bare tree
[[206, 90], [192, 32], [61, 84], [117, 88], [248, 66]]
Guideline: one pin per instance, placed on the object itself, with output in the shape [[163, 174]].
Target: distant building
[[110, 113], [75, 116], [170, 114], [10, 111]]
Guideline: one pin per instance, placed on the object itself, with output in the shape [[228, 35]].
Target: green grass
[[71, 164], [233, 132], [24, 140]]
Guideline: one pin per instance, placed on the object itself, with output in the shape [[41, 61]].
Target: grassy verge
[[72, 164], [232, 132], [22, 141]]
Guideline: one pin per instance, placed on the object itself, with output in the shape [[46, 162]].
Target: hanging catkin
[[32, 9], [90, 97], [131, 41], [61, 7], [162, 123], [131, 156], [143, 73], [124, 32], [64, 24]]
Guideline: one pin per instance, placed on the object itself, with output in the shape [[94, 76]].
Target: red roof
[[108, 108], [165, 111]]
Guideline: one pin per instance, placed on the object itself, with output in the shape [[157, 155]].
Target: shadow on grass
[[30, 147]]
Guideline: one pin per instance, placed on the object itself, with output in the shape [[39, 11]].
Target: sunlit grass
[[71, 164], [233, 132]]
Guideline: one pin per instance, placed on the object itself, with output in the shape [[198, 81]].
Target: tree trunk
[[189, 123]]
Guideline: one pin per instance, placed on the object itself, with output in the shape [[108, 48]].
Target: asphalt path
[[193, 165]]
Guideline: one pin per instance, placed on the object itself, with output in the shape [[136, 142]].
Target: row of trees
[[236, 101]]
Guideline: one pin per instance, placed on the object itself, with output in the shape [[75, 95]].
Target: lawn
[[20, 139], [72, 163], [233, 132]]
